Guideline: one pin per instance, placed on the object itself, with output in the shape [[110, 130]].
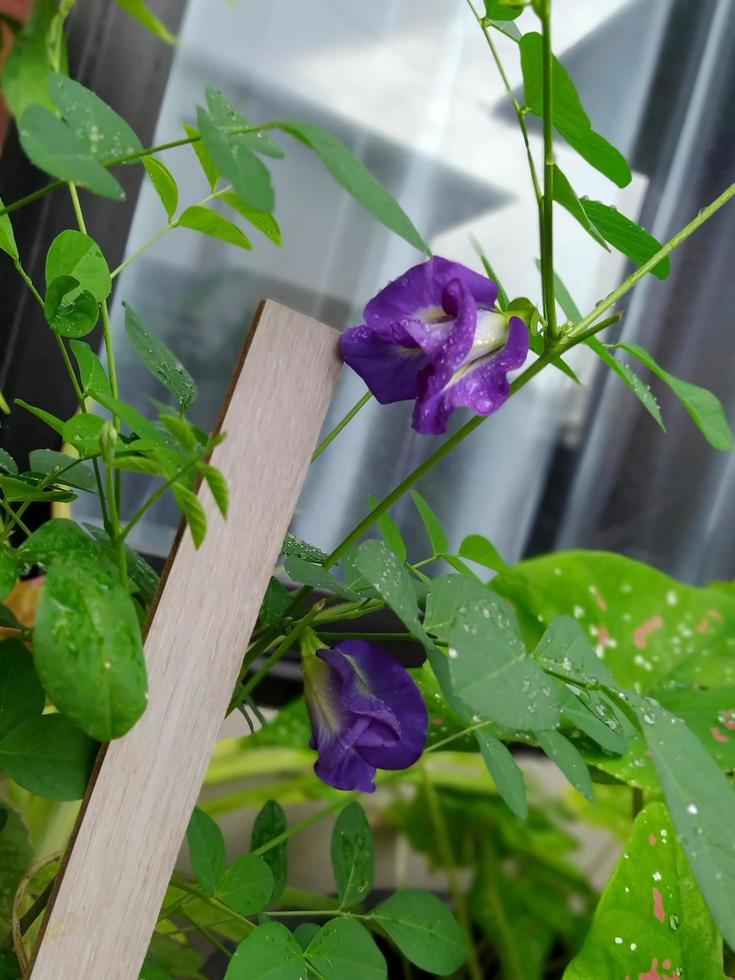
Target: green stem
[[77, 208], [444, 847], [208, 935], [704, 215], [15, 518], [342, 800], [385, 637], [143, 248], [512, 968], [147, 504], [547, 229], [342, 424]]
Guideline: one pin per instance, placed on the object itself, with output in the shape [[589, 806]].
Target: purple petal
[[358, 700], [418, 293], [394, 687], [388, 367], [483, 386], [350, 772]]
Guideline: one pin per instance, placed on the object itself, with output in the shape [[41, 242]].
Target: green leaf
[[344, 948], [423, 929], [164, 183], [353, 855], [83, 432], [508, 28], [500, 10], [623, 370], [490, 669], [71, 472], [206, 851], [262, 220], [703, 406], [389, 532], [651, 915], [561, 751], [225, 116], [52, 146], [217, 483], [203, 156], [569, 117], [75, 254], [478, 548], [566, 649], [270, 952], [16, 856], [564, 194], [563, 297], [234, 158], [505, 772], [88, 650], [190, 506], [45, 754], [7, 238], [625, 235], [271, 822], [382, 568], [135, 421], [650, 630], [69, 310], [145, 16], [357, 180], [26, 70], [91, 370], [27, 488], [104, 134], [213, 224], [318, 577], [303, 549], [276, 601], [247, 885], [8, 571], [145, 578], [159, 360], [7, 463], [435, 532], [701, 800]]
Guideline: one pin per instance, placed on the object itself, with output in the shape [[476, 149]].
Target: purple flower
[[366, 714], [433, 336]]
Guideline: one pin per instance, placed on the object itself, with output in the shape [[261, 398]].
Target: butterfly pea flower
[[434, 337], [366, 713]]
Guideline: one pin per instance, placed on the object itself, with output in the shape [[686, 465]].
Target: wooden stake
[[109, 893]]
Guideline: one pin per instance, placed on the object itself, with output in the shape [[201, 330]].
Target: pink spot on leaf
[[652, 840], [653, 973], [728, 719], [666, 965], [641, 634], [717, 735], [598, 598], [715, 614], [603, 636], [658, 905], [703, 626]]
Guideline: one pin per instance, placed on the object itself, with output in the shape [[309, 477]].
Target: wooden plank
[[127, 839]]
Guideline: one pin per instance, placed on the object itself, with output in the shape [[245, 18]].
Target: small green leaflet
[[276, 601], [70, 311], [203, 156], [389, 531], [206, 851], [88, 650], [218, 487], [159, 360], [226, 116], [44, 753], [232, 153], [262, 220], [506, 774], [28, 65], [357, 180], [72, 253], [7, 463], [424, 930], [701, 800], [651, 915], [623, 370], [435, 532], [104, 134], [214, 225], [353, 855], [625, 235], [247, 885], [164, 183], [703, 406], [145, 16], [91, 370], [8, 570], [52, 146], [569, 116], [561, 751], [7, 238], [385, 572], [502, 9], [271, 823], [490, 669], [270, 951], [190, 506], [479, 549], [70, 473], [83, 432], [342, 949]]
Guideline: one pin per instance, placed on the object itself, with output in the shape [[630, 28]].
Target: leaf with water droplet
[[423, 929], [353, 855], [651, 887], [342, 949], [160, 361], [269, 951]]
